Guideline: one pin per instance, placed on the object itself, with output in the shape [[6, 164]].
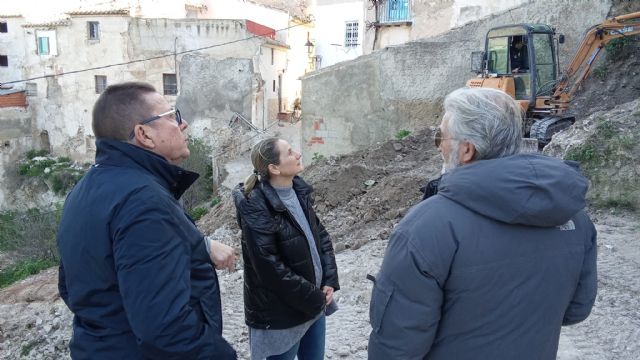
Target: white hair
[[489, 119]]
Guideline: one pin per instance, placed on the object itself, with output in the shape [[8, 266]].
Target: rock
[[397, 146], [343, 351]]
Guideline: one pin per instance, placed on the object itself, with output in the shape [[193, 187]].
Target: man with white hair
[[499, 259]]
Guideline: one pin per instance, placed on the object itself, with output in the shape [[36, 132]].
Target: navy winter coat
[[490, 267], [134, 268]]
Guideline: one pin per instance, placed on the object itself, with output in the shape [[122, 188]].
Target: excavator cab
[[520, 60], [523, 56]]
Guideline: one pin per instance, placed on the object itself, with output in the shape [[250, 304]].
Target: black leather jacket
[[279, 289]]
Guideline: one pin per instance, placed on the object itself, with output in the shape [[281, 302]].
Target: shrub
[[616, 46], [197, 213], [199, 161], [60, 172], [600, 73], [31, 234], [317, 157], [403, 133]]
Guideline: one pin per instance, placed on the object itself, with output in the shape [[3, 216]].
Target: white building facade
[[339, 30]]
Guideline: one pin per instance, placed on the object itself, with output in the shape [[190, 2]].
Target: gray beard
[[452, 161]]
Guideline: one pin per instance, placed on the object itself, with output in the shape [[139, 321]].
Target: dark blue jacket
[[134, 268], [490, 267]]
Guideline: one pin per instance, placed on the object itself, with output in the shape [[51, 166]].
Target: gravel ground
[[34, 324]]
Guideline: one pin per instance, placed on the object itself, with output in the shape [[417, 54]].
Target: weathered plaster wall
[[354, 104], [12, 46], [211, 91], [16, 139]]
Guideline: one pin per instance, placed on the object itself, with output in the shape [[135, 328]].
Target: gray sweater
[[265, 343]]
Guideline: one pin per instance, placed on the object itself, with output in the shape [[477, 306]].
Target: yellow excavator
[[522, 60]]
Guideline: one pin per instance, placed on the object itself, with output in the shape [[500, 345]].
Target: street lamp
[[309, 44]]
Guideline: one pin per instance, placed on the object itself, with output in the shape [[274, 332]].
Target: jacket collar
[[118, 153], [301, 188]]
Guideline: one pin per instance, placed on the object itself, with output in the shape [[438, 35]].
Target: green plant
[[403, 133], [199, 161], [30, 234], [197, 213], [9, 231], [616, 46], [215, 201], [605, 129], [600, 72], [582, 154], [24, 269], [60, 172], [317, 157]]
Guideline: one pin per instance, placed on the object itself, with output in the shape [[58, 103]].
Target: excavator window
[[497, 55], [545, 64]]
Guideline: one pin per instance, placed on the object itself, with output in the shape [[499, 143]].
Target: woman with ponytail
[[290, 270]]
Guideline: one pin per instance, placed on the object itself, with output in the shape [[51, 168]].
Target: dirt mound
[[614, 79], [360, 196], [41, 287]]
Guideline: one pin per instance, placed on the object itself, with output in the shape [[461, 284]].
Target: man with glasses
[[134, 269], [493, 264]]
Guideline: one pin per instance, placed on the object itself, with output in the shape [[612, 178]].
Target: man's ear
[[467, 152], [143, 137], [273, 169]]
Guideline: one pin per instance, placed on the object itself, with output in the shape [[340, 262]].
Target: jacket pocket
[[379, 301]]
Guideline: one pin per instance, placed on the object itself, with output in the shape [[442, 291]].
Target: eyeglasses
[[437, 137], [156, 117]]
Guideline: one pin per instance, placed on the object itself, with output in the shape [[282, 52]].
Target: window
[[3, 27], [272, 56], [43, 45], [394, 11], [170, 84], [101, 83], [351, 34], [46, 42], [274, 86], [93, 28], [4, 60]]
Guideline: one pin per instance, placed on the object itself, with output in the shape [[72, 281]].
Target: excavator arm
[[588, 52]]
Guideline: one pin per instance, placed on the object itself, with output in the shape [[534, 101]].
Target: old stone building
[[213, 69]]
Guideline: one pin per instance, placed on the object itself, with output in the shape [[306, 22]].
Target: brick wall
[[18, 99]]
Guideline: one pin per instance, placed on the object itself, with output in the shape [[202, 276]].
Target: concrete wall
[[211, 91], [354, 104]]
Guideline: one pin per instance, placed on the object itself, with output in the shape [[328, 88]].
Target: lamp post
[[309, 46]]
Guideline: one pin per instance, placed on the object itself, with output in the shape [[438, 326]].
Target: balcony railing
[[394, 11]]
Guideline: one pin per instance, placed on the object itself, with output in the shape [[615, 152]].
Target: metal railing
[[238, 117], [394, 11]]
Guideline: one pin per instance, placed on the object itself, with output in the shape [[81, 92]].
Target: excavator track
[[543, 129]]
